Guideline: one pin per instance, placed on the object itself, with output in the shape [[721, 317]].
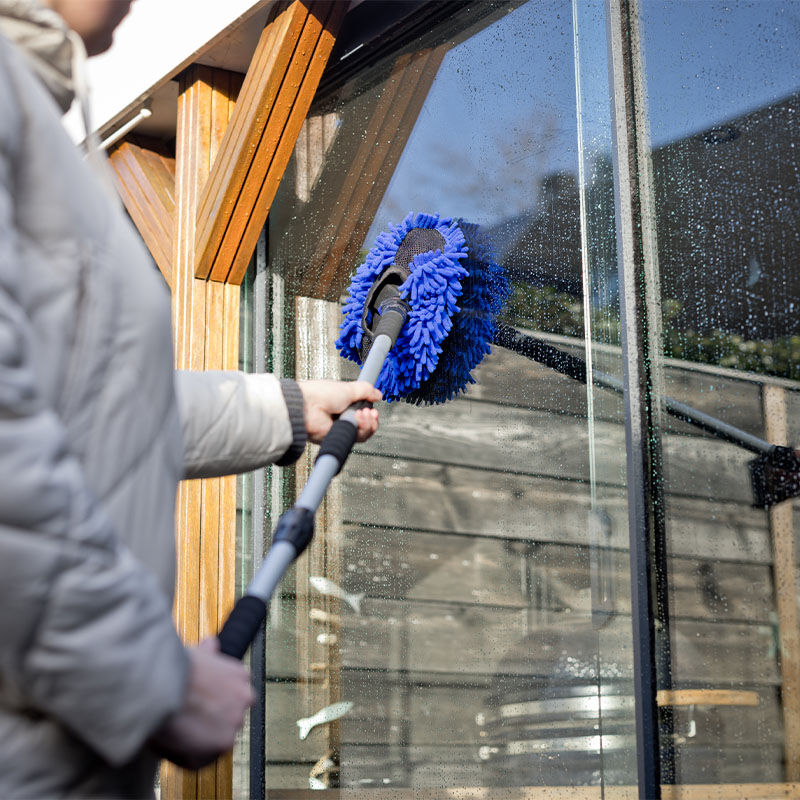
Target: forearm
[[235, 422]]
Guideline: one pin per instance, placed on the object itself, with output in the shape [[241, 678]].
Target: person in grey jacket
[[96, 431]]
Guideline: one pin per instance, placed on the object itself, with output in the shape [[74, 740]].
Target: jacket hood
[[44, 38]]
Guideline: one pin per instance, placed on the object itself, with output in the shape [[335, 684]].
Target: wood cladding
[[466, 529], [206, 324], [734, 791], [146, 183], [706, 697], [276, 95], [253, 149], [207, 206]]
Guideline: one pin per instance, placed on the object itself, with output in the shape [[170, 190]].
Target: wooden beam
[[369, 171], [146, 183], [206, 323], [781, 528], [706, 697], [276, 95]]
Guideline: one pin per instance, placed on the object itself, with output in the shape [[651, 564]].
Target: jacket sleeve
[[235, 422], [86, 636]]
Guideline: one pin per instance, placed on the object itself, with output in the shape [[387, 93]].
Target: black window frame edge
[[374, 28], [641, 351], [257, 719]]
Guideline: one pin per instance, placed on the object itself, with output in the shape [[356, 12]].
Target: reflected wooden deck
[[706, 697]]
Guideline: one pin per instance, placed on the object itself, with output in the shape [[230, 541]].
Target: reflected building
[[728, 201], [728, 209]]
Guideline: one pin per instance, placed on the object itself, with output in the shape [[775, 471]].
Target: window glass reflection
[[463, 598], [723, 98]]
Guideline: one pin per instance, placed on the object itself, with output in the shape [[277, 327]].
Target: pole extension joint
[[296, 526]]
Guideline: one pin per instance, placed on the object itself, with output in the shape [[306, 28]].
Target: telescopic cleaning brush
[[446, 270], [421, 315]]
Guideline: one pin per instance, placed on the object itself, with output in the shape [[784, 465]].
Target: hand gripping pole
[[295, 528]]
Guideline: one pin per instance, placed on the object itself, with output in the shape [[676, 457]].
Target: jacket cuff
[[294, 404]]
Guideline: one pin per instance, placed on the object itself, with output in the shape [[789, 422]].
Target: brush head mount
[[445, 271]]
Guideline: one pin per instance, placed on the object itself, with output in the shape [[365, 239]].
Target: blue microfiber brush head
[[455, 291]]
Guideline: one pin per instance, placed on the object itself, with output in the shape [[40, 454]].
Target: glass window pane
[[462, 618], [723, 104]]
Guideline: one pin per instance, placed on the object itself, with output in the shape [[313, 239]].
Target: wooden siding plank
[[507, 378], [473, 640], [466, 642], [257, 96], [177, 783], [785, 572], [146, 187], [397, 564], [257, 145], [219, 513], [375, 715], [261, 102], [549, 444], [708, 791], [254, 222], [709, 697], [390, 490]]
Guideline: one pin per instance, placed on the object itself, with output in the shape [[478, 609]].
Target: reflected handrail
[[774, 475]]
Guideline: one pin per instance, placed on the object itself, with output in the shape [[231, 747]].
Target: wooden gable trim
[[146, 184], [256, 148]]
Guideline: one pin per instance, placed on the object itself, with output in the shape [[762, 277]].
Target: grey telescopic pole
[[295, 528]]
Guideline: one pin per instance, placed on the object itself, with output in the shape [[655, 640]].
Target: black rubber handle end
[[339, 441], [242, 626]]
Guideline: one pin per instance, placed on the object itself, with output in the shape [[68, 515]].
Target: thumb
[[361, 390], [210, 645]]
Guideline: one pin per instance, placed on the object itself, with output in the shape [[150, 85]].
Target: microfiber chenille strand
[[455, 295], [432, 290], [485, 291]]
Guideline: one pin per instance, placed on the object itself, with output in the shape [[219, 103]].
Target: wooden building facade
[[540, 589]]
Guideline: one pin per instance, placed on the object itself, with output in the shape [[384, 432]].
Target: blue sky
[[502, 111], [707, 61]]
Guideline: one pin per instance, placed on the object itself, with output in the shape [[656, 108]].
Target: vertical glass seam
[[585, 281], [260, 484], [641, 444]]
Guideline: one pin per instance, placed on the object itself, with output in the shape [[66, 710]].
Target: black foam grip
[[242, 626], [339, 441]]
